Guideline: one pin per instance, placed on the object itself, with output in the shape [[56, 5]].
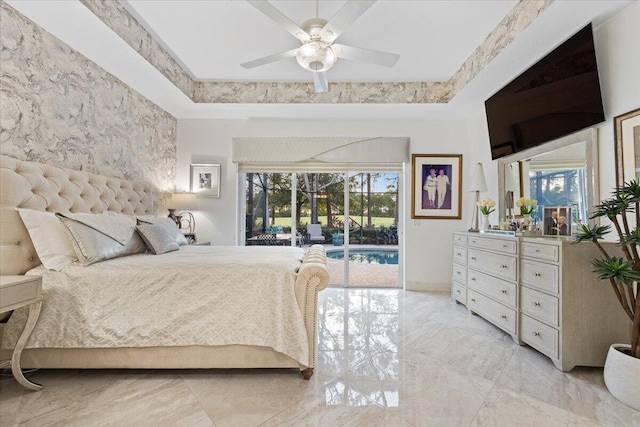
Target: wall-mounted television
[[557, 96]]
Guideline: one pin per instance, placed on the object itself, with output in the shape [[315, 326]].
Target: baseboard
[[428, 286]]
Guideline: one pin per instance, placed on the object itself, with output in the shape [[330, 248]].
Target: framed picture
[[205, 180], [626, 131], [556, 221], [436, 186]]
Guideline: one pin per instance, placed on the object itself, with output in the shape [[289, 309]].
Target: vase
[[622, 375], [485, 222]]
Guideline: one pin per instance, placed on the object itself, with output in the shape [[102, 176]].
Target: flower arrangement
[[526, 205], [486, 206]]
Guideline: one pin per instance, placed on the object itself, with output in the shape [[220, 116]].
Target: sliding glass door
[[355, 215]]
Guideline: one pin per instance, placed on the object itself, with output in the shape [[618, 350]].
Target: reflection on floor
[[386, 358]]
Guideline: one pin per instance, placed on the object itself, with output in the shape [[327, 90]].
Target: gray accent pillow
[[92, 246], [165, 222], [159, 239]]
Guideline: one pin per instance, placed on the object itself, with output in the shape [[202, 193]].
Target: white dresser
[[542, 292]]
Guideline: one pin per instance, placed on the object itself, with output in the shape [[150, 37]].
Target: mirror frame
[[589, 136]]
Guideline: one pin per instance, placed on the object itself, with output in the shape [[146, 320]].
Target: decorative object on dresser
[[541, 292], [626, 130], [478, 185], [183, 203], [486, 207], [556, 221], [623, 275], [205, 180], [436, 186], [17, 292]]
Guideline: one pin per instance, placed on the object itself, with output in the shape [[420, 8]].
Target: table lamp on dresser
[[478, 184]]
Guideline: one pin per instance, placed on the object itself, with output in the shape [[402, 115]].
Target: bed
[[240, 307]]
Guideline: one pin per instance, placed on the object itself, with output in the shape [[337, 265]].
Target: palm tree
[[623, 273]]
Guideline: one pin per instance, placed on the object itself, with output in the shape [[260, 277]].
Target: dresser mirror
[[563, 172]]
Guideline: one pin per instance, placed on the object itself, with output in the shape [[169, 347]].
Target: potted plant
[[486, 207], [622, 367], [527, 206]]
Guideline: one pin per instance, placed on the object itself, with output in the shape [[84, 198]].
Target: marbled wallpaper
[[58, 107]]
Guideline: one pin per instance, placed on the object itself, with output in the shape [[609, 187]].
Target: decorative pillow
[[50, 238], [159, 239], [92, 246], [165, 222]]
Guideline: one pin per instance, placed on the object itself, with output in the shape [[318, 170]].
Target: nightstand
[[17, 292]]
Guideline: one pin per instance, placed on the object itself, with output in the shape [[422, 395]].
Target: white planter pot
[[622, 376], [485, 222]]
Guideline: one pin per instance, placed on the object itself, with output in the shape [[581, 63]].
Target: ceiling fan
[[318, 52]]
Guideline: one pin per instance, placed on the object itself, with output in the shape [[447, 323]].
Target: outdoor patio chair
[[314, 233]]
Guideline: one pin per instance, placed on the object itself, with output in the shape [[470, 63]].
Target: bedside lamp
[[478, 184], [184, 203]]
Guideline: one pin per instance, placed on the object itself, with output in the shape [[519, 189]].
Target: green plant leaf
[[591, 234], [616, 268]]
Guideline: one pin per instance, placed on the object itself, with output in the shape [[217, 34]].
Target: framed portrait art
[[556, 221], [626, 131], [436, 186], [205, 180]]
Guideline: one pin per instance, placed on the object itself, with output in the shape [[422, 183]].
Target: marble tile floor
[[385, 358]]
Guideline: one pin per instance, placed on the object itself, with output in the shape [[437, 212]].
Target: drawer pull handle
[[458, 273], [504, 246], [537, 250], [536, 334], [473, 258], [473, 300], [536, 303], [473, 241], [504, 291], [473, 279], [504, 266], [458, 253], [537, 274], [458, 291], [503, 316]]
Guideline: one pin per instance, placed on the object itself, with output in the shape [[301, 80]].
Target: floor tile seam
[[193, 394], [493, 387]]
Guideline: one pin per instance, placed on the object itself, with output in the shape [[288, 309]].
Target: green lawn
[[376, 221]]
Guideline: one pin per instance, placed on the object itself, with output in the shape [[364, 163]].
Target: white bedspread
[[199, 295]]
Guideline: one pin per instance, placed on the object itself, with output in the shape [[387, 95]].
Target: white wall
[[427, 242], [617, 43]]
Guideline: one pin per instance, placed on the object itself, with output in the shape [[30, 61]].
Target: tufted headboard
[[48, 188]]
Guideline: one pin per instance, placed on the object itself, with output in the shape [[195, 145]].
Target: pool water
[[368, 256]]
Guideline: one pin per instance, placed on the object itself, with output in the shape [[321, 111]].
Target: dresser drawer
[[499, 290], [496, 313], [459, 272], [502, 266], [459, 239], [460, 254], [540, 306], [459, 292], [540, 336], [498, 245], [540, 251], [540, 276]]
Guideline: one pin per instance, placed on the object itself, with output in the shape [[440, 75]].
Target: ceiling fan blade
[[365, 55], [348, 13], [291, 27], [269, 59], [320, 81]]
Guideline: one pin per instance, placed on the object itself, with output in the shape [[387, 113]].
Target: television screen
[[557, 96]]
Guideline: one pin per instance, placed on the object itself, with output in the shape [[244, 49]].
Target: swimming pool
[[367, 256]]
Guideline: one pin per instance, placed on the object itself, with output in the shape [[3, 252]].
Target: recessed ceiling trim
[[116, 16]]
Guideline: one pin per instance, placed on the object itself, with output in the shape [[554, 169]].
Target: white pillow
[[50, 238], [165, 222]]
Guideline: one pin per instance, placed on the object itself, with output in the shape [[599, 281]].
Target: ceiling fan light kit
[[317, 53]]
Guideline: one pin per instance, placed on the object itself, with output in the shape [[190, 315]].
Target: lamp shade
[[478, 183], [183, 202]]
